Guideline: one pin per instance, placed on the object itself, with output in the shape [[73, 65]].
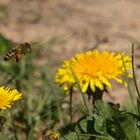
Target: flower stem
[[83, 96], [16, 137], [134, 74]]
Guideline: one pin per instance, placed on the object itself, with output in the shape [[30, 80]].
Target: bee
[[18, 51]]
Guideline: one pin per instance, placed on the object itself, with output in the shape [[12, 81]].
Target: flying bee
[[18, 51]]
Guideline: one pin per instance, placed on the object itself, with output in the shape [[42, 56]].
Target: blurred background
[[61, 28]]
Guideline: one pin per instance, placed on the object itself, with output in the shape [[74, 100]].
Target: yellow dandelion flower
[[94, 70], [54, 135], [8, 97]]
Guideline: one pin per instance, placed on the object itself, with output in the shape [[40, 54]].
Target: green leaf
[[70, 136], [85, 126], [129, 125], [106, 110], [105, 138], [109, 120], [114, 129], [100, 125]]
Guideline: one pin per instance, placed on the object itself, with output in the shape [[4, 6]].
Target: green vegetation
[[45, 108]]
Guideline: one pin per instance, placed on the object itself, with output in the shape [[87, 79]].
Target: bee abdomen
[[8, 56]]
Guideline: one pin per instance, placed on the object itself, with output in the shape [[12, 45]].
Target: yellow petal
[[92, 85], [105, 81], [84, 86], [99, 84]]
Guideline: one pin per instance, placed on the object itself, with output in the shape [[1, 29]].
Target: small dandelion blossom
[[54, 135], [8, 97], [94, 70]]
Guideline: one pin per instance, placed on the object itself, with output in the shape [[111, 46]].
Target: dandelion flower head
[[94, 70], [8, 97], [54, 135]]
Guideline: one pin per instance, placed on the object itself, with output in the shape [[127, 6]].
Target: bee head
[[28, 45]]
